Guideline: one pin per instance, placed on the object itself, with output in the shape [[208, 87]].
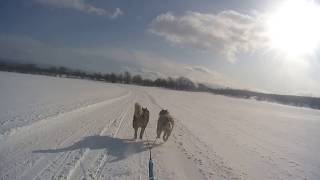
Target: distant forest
[[181, 83]]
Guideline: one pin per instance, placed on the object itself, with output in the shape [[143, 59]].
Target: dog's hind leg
[[142, 131], [165, 136], [135, 133], [158, 132]]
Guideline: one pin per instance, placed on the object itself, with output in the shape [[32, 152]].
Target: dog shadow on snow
[[117, 148]]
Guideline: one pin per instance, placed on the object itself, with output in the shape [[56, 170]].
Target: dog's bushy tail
[[137, 109]]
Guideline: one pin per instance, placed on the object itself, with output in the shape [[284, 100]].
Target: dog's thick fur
[[165, 123], [140, 119]]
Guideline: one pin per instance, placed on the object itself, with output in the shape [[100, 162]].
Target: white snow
[[56, 128]]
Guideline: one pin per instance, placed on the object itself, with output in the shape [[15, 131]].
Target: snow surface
[[56, 128]]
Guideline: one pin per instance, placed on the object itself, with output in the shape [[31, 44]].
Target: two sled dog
[[141, 119]]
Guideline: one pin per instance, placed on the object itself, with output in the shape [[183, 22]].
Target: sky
[[269, 46]]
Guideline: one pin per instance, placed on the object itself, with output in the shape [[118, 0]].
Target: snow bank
[[26, 99]]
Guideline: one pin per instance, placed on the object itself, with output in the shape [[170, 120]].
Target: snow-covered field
[[55, 128]]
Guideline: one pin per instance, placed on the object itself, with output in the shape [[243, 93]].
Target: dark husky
[[140, 119], [165, 123]]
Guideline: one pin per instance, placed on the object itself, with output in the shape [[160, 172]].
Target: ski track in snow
[[65, 161], [90, 137], [34, 102]]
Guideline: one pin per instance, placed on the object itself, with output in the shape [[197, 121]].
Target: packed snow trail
[[88, 142], [21, 148], [24, 100], [258, 140], [78, 129]]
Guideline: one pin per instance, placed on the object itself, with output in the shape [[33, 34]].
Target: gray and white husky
[[165, 124]]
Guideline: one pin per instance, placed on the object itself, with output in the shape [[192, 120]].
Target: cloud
[[152, 65], [199, 69], [100, 59], [81, 5], [25, 49], [116, 13], [226, 33]]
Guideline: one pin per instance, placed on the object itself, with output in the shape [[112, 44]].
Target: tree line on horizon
[[180, 83]]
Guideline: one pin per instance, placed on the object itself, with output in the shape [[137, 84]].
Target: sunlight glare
[[294, 27]]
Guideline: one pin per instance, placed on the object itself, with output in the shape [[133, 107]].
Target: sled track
[[61, 164], [102, 159], [208, 164]]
